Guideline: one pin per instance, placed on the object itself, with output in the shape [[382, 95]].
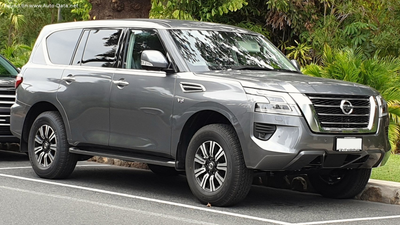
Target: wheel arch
[[199, 120], [34, 111]]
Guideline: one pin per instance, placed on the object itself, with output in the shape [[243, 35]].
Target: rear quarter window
[[61, 45]]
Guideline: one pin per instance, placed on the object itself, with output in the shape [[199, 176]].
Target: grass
[[390, 171]]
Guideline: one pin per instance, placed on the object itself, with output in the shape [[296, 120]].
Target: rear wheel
[[48, 148], [341, 183], [215, 167]]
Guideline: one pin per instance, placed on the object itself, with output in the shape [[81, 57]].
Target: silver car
[[214, 101]]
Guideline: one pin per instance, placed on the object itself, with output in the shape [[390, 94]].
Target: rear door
[[141, 100], [85, 88]]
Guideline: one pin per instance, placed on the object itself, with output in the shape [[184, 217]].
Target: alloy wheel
[[45, 146], [210, 166]]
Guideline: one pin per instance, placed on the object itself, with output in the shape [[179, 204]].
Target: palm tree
[[381, 74], [9, 9]]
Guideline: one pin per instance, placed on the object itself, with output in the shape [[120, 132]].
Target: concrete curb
[[381, 191]]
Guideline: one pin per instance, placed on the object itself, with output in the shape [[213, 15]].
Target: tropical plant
[[12, 16], [83, 8], [203, 10], [301, 53], [18, 54]]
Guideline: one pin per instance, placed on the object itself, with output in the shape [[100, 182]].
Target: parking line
[[106, 205], [15, 168], [350, 220], [211, 210]]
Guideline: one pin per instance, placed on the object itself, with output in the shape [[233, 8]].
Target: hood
[[7, 82], [291, 82]]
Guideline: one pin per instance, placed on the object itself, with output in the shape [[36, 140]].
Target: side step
[[127, 156]]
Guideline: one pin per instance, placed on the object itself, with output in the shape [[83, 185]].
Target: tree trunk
[[119, 9]]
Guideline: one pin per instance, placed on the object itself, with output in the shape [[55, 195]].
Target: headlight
[[382, 105], [272, 102]]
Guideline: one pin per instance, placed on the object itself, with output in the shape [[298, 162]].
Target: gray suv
[[217, 102]]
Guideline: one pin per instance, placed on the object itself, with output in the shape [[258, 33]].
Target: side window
[[6, 70], [138, 41], [79, 51], [101, 47], [62, 42]]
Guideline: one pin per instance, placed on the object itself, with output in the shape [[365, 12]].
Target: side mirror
[[153, 59], [295, 64]]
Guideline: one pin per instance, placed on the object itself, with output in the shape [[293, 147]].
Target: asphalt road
[[102, 194]]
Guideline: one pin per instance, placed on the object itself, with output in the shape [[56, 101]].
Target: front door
[[141, 100]]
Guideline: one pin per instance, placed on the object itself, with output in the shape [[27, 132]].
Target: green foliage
[[301, 53], [18, 54], [203, 10], [22, 21], [389, 172], [12, 16], [83, 8], [358, 32]]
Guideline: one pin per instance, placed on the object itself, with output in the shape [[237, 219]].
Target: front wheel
[[341, 183], [215, 168], [48, 148]]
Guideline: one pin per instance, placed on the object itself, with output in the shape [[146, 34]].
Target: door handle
[[69, 78], [121, 83]]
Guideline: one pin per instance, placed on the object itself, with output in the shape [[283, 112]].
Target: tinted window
[[140, 40], [79, 51], [7, 70], [61, 45], [101, 47]]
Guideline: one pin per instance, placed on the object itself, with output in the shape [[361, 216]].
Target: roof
[[147, 23]]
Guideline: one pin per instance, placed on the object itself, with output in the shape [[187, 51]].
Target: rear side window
[[61, 45], [101, 47]]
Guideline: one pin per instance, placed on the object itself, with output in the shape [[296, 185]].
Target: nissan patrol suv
[[214, 101]]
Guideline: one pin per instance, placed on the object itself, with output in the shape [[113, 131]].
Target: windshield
[[205, 50]]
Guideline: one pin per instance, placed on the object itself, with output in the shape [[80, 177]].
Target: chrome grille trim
[[7, 99], [324, 115]]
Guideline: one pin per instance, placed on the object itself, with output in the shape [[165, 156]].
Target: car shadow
[[175, 188], [13, 156]]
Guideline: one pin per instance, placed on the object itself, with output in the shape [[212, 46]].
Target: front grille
[[7, 99], [330, 114]]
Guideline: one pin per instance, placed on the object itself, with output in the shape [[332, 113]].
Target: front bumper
[[293, 147]]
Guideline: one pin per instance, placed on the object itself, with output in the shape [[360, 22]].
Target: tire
[[215, 168], [48, 148], [163, 170], [340, 184]]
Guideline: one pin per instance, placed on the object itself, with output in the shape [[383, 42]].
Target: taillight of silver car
[[18, 81]]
